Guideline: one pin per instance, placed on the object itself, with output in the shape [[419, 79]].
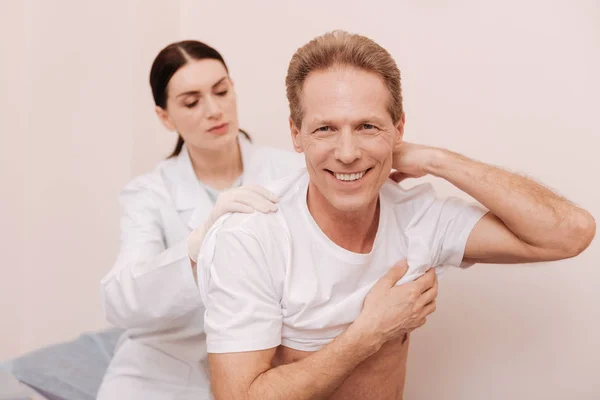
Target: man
[[302, 303]]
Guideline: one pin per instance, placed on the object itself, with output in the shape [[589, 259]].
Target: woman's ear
[[163, 116], [296, 139]]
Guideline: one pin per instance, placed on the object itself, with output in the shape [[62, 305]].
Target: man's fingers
[[402, 265], [398, 176], [427, 297], [427, 281], [418, 324], [428, 309], [393, 275]]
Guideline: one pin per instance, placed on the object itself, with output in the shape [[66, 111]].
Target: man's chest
[[322, 291]]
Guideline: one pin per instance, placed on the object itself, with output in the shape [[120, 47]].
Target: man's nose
[[347, 150]]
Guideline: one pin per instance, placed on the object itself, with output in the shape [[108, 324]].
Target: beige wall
[[513, 84], [12, 140], [78, 122]]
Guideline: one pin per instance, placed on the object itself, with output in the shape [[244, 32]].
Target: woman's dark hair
[[168, 61]]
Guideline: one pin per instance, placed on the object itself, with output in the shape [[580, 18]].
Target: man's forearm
[[318, 375], [532, 212]]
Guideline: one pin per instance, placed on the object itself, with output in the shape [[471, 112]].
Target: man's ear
[[296, 140], [400, 129], [163, 116]]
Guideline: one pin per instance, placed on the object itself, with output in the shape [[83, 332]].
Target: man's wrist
[[437, 161], [364, 341]]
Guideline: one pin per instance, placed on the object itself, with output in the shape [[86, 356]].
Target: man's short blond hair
[[339, 48]]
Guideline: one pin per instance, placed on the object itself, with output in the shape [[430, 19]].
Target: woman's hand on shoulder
[[243, 199]]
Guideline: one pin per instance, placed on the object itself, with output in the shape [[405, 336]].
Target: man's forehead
[[345, 98], [343, 79]]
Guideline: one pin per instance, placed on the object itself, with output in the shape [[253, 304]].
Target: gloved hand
[[244, 199]]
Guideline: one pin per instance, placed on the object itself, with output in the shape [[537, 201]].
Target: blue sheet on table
[[71, 370]]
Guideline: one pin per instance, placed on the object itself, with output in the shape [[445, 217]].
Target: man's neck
[[352, 230], [217, 168]]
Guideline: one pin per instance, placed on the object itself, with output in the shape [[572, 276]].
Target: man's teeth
[[349, 177]]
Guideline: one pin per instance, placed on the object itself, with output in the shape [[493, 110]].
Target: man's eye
[[368, 126], [323, 129]]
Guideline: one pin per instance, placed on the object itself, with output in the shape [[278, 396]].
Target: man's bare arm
[[249, 375], [389, 311], [527, 222]]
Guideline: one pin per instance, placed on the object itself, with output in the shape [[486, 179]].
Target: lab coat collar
[[187, 192]]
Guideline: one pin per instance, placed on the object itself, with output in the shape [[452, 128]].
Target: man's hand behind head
[[390, 311]]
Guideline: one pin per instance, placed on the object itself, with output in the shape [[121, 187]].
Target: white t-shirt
[[277, 279]]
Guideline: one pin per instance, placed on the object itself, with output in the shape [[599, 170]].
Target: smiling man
[[311, 302]]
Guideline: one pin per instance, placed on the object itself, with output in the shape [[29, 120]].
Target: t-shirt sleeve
[[243, 312], [456, 220], [440, 229]]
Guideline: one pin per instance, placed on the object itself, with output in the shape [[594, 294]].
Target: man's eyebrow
[[370, 119], [320, 122], [364, 120], [195, 92]]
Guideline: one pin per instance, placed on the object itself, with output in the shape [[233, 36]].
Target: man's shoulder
[[414, 197], [258, 225], [255, 242], [261, 224], [268, 230]]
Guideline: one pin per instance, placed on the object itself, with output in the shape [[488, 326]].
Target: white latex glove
[[244, 199]]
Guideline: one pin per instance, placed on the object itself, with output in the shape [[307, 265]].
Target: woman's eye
[[223, 93], [192, 104]]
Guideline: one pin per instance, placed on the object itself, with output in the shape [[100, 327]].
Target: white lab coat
[[151, 292]]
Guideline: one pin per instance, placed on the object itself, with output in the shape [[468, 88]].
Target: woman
[[151, 290]]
